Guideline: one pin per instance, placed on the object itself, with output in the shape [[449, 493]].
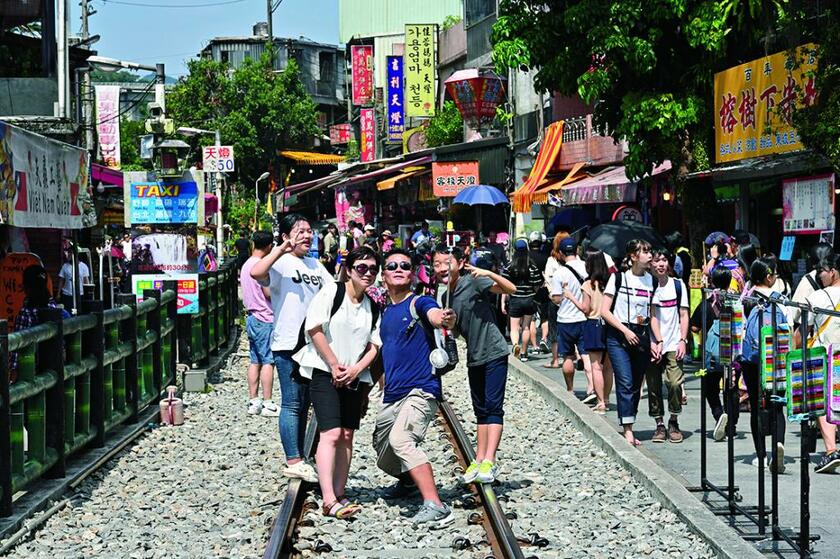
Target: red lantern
[[476, 95]]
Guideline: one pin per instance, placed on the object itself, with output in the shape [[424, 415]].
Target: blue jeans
[[294, 406], [629, 366]]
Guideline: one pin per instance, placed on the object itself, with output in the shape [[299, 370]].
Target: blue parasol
[[481, 195]]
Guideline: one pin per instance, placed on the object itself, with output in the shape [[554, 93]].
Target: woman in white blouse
[[342, 328]]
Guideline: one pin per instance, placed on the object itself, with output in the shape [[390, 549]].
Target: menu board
[[808, 204]]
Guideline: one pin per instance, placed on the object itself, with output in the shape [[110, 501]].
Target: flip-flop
[[551, 367]]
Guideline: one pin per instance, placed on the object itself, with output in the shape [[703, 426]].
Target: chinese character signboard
[[43, 182], [340, 133], [108, 124], [451, 177], [361, 73], [217, 159], [368, 128], [187, 288], [808, 204], [163, 202], [754, 102], [396, 126], [420, 61]]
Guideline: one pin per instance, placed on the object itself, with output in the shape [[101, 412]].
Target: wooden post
[[129, 334], [51, 357], [154, 325], [94, 343]]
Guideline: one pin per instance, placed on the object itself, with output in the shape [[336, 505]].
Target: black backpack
[[618, 275]]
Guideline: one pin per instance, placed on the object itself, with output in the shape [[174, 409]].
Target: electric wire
[[146, 5]]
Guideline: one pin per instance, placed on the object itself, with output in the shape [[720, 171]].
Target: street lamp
[[112, 65], [220, 232], [257, 199]]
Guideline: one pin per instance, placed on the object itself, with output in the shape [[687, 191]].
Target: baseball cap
[[520, 244], [370, 227], [568, 246], [534, 236], [386, 233]]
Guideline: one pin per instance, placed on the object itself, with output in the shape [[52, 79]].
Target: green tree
[[120, 76], [130, 132], [256, 109], [647, 66], [445, 127]]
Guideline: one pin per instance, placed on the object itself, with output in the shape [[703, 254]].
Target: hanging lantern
[[476, 94]]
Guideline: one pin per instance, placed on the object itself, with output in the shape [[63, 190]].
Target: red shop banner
[[451, 177], [340, 133], [362, 74], [368, 129]]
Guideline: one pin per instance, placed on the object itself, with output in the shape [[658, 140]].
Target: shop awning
[[540, 195], [391, 182], [388, 170], [106, 175], [611, 186], [523, 197], [311, 157]]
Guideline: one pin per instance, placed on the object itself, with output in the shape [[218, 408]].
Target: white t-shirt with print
[[667, 311], [293, 283], [827, 298], [348, 332], [567, 312], [634, 297]]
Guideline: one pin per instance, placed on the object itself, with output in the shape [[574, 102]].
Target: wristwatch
[[684, 340]]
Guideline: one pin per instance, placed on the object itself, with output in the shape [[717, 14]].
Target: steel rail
[[281, 536], [501, 536]]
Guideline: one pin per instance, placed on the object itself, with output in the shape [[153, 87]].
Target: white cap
[[534, 236], [370, 227]]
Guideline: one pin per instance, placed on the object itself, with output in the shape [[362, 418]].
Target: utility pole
[[270, 16], [85, 87]]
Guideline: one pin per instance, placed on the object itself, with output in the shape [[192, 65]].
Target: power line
[[145, 5]]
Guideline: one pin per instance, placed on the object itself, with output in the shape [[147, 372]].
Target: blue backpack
[[712, 363], [758, 317]]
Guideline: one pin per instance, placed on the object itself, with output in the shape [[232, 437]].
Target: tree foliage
[[130, 132], [647, 66], [445, 127], [256, 109]]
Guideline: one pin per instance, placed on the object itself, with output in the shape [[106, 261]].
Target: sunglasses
[[363, 269], [392, 266]]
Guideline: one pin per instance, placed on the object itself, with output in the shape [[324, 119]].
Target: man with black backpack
[[669, 325], [566, 285]]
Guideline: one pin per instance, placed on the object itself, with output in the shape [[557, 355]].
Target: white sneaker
[[720, 427], [301, 470], [778, 462], [255, 406], [269, 409]]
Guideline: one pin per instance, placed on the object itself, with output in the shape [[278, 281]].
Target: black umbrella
[[612, 237]]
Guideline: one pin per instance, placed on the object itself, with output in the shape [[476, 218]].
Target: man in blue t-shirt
[[412, 390]]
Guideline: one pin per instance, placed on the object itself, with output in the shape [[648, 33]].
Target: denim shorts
[[569, 336], [259, 340]]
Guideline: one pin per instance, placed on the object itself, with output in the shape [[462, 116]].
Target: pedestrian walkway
[[683, 460]]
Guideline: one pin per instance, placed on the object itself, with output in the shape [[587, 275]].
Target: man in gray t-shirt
[[487, 351]]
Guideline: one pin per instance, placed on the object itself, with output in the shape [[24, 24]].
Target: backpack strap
[[813, 282], [574, 273], [617, 276], [678, 288]]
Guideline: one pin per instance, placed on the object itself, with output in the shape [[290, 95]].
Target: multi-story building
[[321, 66]]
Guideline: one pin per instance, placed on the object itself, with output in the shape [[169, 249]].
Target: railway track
[[498, 540]]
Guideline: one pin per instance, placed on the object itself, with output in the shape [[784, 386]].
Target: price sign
[[218, 159]]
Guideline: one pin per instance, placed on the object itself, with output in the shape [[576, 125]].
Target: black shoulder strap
[[678, 288], [813, 282], [374, 313], [617, 289], [574, 273], [340, 291]]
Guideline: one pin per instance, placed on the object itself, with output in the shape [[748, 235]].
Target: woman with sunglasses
[[342, 327]]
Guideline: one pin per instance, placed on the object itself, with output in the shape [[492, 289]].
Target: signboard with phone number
[[187, 288]]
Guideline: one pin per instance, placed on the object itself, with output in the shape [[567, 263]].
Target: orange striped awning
[[523, 197], [540, 195]]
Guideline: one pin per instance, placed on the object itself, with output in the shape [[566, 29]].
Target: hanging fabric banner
[[361, 74], [43, 182], [396, 126], [108, 124], [420, 61], [368, 129]]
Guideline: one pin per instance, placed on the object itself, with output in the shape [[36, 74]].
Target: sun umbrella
[[480, 195], [612, 237]]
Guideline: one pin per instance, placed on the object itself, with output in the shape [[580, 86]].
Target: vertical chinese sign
[[368, 129], [108, 124], [754, 102], [420, 60], [361, 73], [396, 126]]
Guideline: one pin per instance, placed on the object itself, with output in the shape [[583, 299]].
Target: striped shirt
[[527, 285]]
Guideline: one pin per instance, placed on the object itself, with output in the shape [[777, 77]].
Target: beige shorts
[[400, 427]]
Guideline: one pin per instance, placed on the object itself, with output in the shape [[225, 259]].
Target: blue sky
[[148, 34]]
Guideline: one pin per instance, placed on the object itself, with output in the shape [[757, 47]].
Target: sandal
[[340, 510]]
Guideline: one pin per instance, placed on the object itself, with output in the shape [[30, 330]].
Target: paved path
[[683, 460]]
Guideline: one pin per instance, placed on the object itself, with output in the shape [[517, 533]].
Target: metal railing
[[80, 378]]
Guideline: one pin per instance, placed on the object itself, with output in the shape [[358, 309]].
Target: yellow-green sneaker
[[487, 472], [471, 473]]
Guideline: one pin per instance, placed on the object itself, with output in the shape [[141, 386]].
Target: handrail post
[[154, 325], [204, 308], [51, 357], [129, 334], [5, 424], [94, 343], [172, 314]]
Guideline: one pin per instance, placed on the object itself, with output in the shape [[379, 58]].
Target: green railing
[[78, 379]]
